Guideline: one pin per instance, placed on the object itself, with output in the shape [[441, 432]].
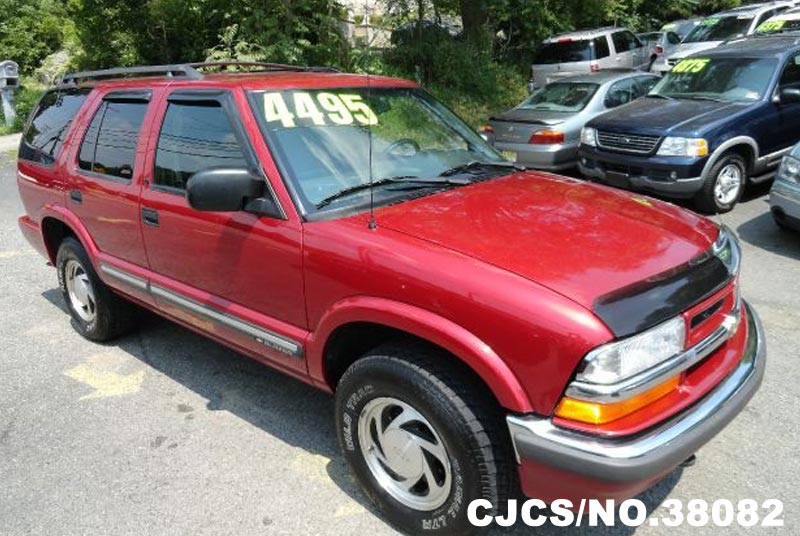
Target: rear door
[[624, 50], [108, 166], [235, 275]]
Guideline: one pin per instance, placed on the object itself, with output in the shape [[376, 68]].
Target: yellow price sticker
[[693, 65], [771, 26], [301, 108]]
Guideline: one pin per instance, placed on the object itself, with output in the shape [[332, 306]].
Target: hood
[[664, 117], [533, 117], [686, 49], [579, 239]]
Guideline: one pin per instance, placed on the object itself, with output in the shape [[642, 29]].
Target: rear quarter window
[[48, 126]]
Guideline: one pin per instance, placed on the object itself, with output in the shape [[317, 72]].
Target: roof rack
[[190, 71]]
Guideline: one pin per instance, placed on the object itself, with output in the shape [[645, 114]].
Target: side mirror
[[789, 95], [223, 189]]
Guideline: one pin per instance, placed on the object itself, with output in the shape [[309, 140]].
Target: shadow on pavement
[[282, 407], [762, 232]]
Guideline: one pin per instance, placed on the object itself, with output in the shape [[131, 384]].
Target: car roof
[[579, 35], [791, 14], [756, 46], [751, 9], [254, 80], [605, 75]]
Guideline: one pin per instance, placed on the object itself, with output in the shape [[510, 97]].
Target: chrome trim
[[25, 177], [261, 335], [125, 277], [267, 338], [653, 376], [607, 450]]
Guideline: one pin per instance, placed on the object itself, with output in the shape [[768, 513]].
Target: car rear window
[[719, 28], [45, 133], [566, 51], [561, 97]]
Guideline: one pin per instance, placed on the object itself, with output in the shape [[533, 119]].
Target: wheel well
[[54, 231], [746, 152], [350, 342]]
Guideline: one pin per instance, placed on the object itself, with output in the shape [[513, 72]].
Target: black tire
[[706, 199], [112, 315], [467, 420]]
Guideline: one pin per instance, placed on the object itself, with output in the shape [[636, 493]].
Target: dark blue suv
[[718, 119]]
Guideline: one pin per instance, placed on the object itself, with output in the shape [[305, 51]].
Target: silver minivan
[[588, 51]]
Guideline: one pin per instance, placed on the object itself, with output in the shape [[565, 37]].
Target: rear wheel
[[724, 185], [422, 440], [97, 313]]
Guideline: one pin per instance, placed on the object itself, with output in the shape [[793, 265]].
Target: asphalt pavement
[[165, 432]]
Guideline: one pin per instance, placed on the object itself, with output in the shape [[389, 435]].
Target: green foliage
[[30, 30], [25, 99]]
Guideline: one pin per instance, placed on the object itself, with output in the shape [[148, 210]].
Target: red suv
[[483, 327]]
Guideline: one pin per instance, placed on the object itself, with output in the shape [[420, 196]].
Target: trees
[[30, 30]]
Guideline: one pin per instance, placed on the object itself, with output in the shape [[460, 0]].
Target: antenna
[[372, 223]]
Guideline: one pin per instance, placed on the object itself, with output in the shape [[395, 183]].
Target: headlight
[[726, 248], [620, 360], [683, 147], [589, 136], [790, 169]]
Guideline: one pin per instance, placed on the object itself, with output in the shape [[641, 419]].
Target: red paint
[[502, 273]]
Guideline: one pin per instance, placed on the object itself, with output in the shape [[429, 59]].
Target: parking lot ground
[[165, 432]]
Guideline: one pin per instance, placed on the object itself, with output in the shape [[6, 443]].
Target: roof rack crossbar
[[261, 64], [183, 70]]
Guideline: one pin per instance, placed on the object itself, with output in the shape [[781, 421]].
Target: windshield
[[720, 28], [322, 141], [778, 25], [724, 79], [564, 52], [561, 97]]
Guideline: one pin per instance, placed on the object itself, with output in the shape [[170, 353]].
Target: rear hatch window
[[48, 126]]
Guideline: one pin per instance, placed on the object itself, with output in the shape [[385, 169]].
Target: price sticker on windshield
[[709, 22], [302, 108], [771, 26], [693, 65]]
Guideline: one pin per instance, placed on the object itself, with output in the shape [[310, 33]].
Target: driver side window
[[791, 74]]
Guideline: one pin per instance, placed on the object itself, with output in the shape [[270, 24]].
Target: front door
[[235, 275], [787, 131]]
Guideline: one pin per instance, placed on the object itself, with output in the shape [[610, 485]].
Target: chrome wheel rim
[[80, 291], [405, 454], [729, 182]]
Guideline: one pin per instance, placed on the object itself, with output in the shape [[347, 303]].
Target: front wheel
[[724, 185], [422, 440]]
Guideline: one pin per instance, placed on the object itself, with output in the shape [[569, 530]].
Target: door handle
[[76, 196], [150, 217]]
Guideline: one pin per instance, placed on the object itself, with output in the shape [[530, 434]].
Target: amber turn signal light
[[596, 413]]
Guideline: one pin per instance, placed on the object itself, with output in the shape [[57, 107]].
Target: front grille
[[628, 143]]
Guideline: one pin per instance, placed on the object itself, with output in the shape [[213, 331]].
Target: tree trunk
[[473, 17]]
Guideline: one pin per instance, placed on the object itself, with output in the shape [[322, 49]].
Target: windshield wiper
[[659, 96], [478, 166], [701, 98], [409, 181]]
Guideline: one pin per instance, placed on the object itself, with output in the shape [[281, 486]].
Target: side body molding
[[424, 324]]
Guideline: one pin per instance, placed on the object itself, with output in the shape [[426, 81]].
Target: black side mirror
[[223, 189], [789, 95]]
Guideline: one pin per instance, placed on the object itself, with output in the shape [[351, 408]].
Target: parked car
[[659, 46], [717, 121], [584, 52], [681, 27], [480, 325], [716, 29], [788, 21], [784, 197], [407, 32], [544, 131]]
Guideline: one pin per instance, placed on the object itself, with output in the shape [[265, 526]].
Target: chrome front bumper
[[654, 452]]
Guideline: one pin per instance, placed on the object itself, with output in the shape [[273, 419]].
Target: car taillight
[[594, 67], [486, 129], [547, 137], [659, 49]]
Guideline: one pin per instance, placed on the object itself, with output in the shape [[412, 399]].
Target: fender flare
[[62, 214], [719, 151], [426, 325]]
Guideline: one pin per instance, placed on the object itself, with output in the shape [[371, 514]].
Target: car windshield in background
[[652, 37], [723, 79], [322, 141], [561, 97], [564, 52], [779, 26], [719, 28]]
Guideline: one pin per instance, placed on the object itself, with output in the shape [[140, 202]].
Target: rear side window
[[601, 49], [45, 134], [621, 42], [194, 136], [109, 146], [566, 51]]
